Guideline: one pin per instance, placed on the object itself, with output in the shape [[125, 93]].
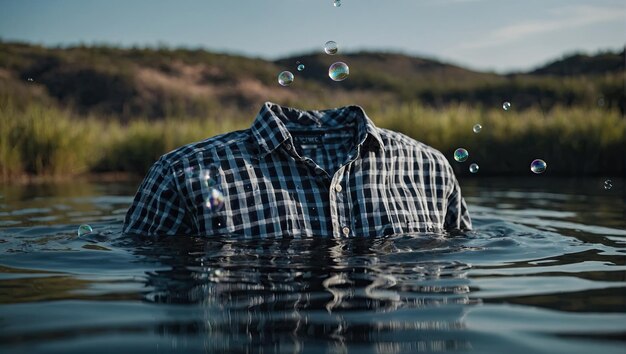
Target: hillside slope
[[155, 83]]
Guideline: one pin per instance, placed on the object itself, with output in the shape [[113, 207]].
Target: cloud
[[561, 19]]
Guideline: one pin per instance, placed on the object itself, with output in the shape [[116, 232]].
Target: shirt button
[[346, 230], [338, 188], [288, 146]]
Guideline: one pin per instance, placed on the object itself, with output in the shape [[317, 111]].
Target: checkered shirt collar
[[270, 130]]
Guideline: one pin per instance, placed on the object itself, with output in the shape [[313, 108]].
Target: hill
[[583, 64], [163, 82]]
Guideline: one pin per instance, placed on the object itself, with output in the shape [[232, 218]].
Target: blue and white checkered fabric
[[328, 173]]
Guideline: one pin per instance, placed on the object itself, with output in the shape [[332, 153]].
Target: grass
[[44, 140], [47, 141], [573, 141]]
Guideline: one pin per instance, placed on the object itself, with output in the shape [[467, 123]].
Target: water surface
[[544, 271]]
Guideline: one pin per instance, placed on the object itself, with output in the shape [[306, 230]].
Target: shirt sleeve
[[457, 215], [157, 208]]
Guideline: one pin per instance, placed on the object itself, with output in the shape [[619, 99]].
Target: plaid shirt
[[302, 174]]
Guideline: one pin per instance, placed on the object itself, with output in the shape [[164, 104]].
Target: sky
[[488, 35]]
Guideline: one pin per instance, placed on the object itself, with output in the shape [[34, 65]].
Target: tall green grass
[[573, 141], [47, 141]]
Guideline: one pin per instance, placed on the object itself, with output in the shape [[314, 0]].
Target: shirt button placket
[[333, 212], [338, 201]]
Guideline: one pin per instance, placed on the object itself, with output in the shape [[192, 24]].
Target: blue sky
[[501, 35]]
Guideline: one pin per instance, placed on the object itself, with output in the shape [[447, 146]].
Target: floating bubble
[[84, 230], [506, 106], [300, 67], [538, 166], [601, 101], [337, 3], [473, 168], [608, 184], [331, 48], [189, 171], [285, 78], [461, 154], [212, 177], [208, 179], [215, 200], [477, 128], [30, 79], [338, 71]]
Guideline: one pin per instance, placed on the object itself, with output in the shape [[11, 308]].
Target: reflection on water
[[316, 290], [544, 272]]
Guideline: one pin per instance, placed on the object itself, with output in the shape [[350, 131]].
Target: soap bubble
[[473, 168], [84, 230], [538, 166], [209, 178], [300, 67], [608, 184], [461, 154], [285, 78], [338, 71], [189, 172], [337, 3], [30, 79], [331, 48], [477, 128], [215, 200], [506, 106]]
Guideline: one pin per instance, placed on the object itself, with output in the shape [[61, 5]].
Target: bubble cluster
[[473, 168], [215, 200], [538, 166], [338, 71], [285, 78], [461, 154], [331, 48], [477, 128], [608, 184], [209, 177], [337, 3], [30, 79], [300, 67], [84, 230], [506, 105]]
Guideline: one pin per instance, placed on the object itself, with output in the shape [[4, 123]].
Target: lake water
[[544, 271]]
